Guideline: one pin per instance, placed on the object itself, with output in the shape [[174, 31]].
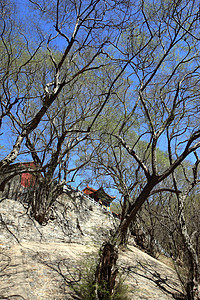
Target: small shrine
[[99, 196]]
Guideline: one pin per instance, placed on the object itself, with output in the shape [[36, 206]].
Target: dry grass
[[166, 260]]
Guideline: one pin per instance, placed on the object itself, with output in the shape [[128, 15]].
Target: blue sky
[[5, 139]]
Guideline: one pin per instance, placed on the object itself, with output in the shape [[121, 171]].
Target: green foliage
[[85, 289], [121, 290]]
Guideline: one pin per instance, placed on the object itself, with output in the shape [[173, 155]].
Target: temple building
[[14, 180], [99, 196]]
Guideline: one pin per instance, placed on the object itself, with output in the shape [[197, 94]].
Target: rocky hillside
[[74, 219], [40, 262]]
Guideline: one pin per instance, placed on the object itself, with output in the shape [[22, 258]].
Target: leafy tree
[[78, 28], [154, 104], [45, 99], [163, 79], [177, 226]]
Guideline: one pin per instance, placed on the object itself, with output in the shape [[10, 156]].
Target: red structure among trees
[[28, 179], [17, 177], [99, 195]]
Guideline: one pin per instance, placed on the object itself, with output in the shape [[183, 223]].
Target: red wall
[[28, 179]]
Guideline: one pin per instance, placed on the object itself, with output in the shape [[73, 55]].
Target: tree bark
[[106, 271], [133, 210], [192, 286]]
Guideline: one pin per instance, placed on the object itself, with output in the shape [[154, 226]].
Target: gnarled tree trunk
[[106, 272]]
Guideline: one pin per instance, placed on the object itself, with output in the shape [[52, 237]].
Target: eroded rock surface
[[73, 220], [39, 262]]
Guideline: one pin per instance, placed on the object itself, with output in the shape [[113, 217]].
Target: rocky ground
[[41, 262]]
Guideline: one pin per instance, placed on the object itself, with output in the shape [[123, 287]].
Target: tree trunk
[[106, 271], [135, 207], [192, 286], [40, 198]]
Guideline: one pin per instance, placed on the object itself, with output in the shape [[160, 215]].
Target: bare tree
[[78, 27], [187, 243], [48, 114], [13, 60], [53, 147], [164, 103], [164, 89], [157, 45]]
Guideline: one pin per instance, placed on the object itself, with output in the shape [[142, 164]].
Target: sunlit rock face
[[73, 218], [40, 261]]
